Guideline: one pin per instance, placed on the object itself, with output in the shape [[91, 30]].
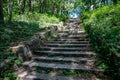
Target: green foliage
[[103, 27], [62, 17], [71, 72], [43, 20], [22, 28], [10, 64], [16, 31]]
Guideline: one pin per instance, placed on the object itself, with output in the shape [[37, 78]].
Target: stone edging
[[25, 49]]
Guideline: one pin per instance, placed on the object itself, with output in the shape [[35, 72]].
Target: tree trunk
[[10, 8], [23, 6], [44, 6], [1, 13], [103, 2], [19, 6], [54, 8], [29, 4], [40, 6]]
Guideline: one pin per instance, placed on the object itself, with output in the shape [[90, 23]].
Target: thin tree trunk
[[54, 8], [23, 6], [40, 4], [44, 6], [19, 6], [29, 4], [1, 13], [10, 8]]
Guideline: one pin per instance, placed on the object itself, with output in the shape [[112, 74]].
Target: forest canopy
[[60, 7]]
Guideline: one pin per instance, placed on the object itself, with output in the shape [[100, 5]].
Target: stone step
[[31, 66], [71, 31], [70, 39], [66, 45], [72, 35], [67, 34], [67, 42], [63, 53], [64, 60], [65, 49], [40, 76]]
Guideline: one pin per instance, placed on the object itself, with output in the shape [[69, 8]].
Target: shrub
[[103, 28]]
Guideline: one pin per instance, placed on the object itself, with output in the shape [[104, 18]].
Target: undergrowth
[[43, 20], [22, 28], [11, 63], [103, 27]]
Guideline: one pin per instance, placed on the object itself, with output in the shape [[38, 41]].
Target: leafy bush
[[103, 28]]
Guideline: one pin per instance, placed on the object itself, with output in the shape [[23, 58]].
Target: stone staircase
[[68, 57]]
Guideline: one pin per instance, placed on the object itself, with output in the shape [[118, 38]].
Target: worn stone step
[[65, 49], [70, 39], [40, 76], [73, 36], [64, 60], [65, 53], [72, 31], [66, 45], [30, 65], [67, 42]]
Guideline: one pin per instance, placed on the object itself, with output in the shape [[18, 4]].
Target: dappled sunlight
[[59, 39], [43, 20]]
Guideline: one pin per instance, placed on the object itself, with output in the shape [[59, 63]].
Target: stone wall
[[24, 50]]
